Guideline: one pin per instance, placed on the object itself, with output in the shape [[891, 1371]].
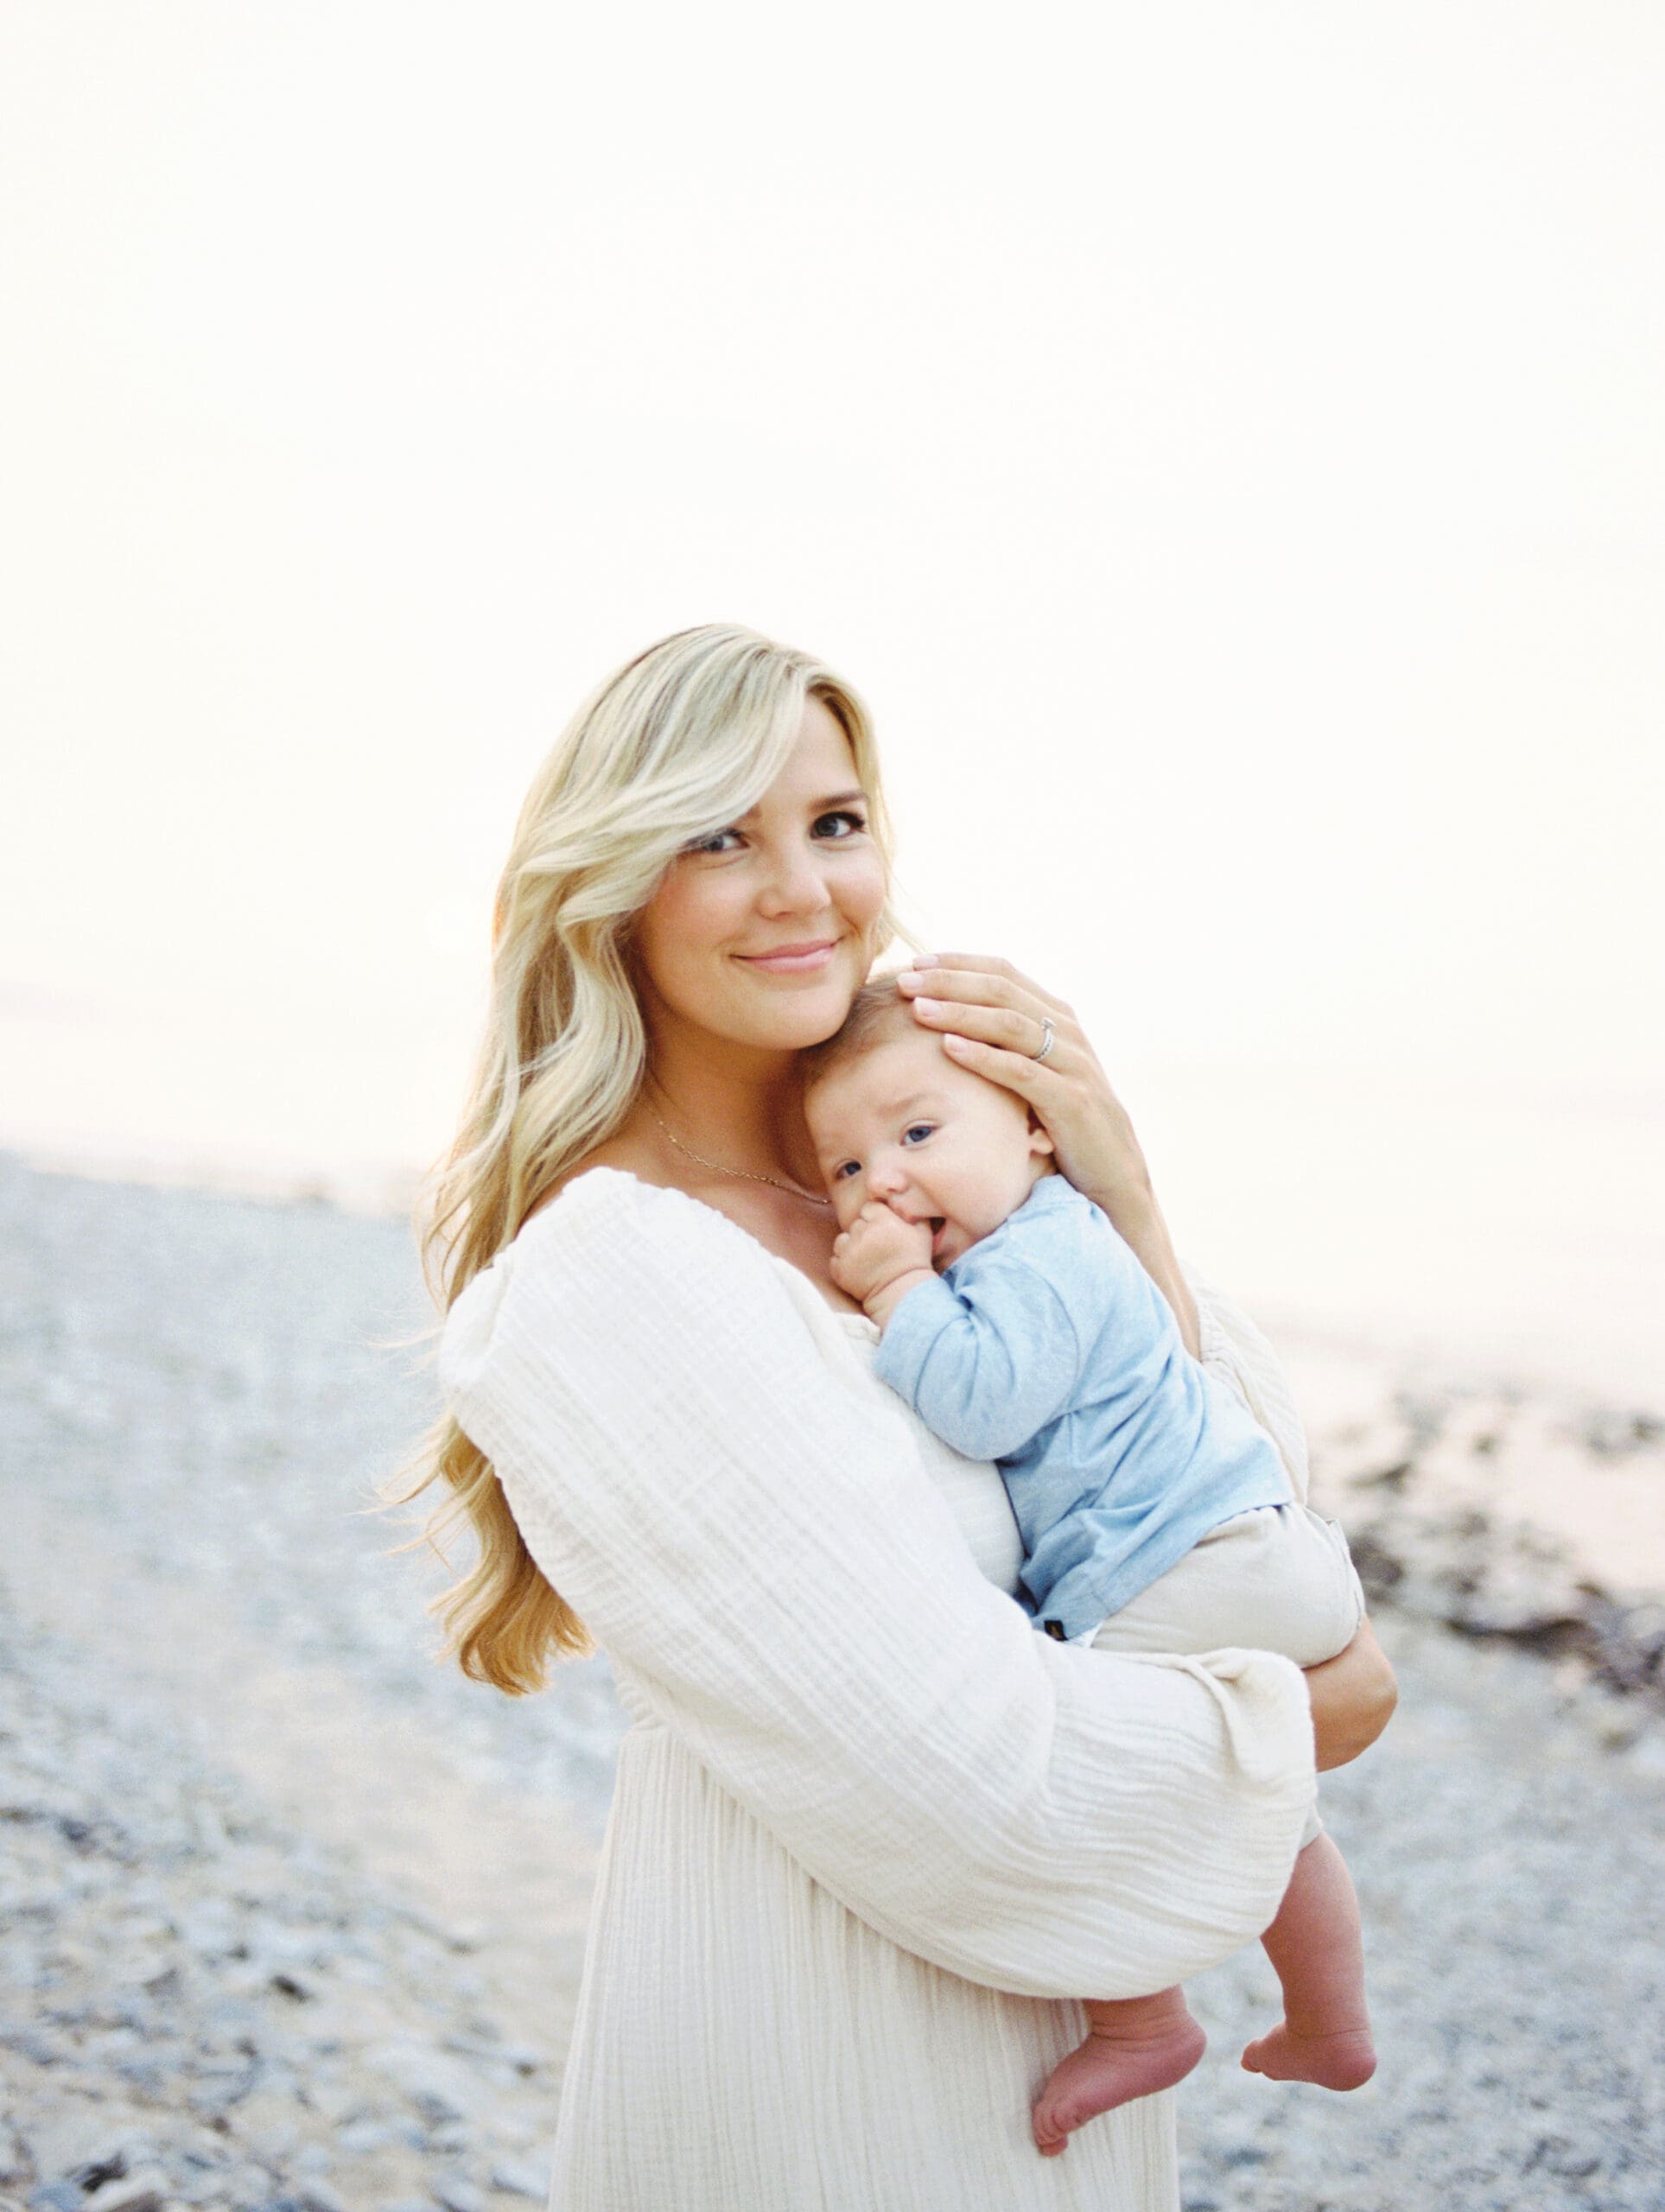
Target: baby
[[1155, 1515]]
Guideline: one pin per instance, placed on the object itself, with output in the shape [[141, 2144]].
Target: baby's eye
[[919, 1130], [844, 1169]]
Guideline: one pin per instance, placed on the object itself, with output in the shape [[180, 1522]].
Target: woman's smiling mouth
[[792, 959]]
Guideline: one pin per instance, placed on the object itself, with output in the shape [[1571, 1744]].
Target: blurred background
[[1225, 447]]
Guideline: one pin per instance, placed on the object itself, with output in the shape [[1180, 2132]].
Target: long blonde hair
[[674, 746]]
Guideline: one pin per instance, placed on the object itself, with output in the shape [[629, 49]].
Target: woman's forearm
[[1138, 1219]]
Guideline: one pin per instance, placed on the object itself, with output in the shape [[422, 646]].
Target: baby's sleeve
[[986, 1362], [764, 1547]]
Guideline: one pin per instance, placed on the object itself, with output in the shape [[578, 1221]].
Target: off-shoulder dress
[[873, 1837]]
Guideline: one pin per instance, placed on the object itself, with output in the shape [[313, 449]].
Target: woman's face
[[762, 934]]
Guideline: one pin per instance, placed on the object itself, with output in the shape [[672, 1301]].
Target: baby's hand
[[877, 1249]]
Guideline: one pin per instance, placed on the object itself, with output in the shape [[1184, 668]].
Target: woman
[[870, 1832]]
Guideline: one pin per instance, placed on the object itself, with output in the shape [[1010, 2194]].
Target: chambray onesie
[[1047, 1347]]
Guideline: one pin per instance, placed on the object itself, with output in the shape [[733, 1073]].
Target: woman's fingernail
[[956, 1044], [929, 1006]]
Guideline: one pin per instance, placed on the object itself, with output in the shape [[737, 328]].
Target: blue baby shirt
[[1048, 1348]]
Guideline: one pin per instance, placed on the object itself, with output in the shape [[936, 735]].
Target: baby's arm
[[880, 1258]]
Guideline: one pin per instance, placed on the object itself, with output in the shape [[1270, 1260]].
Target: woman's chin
[[793, 1020], [813, 1025]]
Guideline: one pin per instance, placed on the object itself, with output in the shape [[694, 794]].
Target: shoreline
[[387, 1190]]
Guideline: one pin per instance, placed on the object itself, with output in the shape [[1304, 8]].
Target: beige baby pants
[[1277, 1578]]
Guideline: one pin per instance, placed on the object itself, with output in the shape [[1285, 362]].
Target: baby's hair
[[877, 1010]]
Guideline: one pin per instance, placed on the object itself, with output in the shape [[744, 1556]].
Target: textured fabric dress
[[873, 1837]]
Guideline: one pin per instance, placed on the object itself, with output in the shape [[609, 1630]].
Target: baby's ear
[[1039, 1140]]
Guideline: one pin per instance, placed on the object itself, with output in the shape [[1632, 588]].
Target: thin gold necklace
[[813, 1197]]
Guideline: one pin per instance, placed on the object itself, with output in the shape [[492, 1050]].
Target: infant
[[1155, 1515]]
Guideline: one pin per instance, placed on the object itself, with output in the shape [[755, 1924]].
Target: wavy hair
[[673, 746]]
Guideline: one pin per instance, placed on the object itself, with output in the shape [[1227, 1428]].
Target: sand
[[230, 1763]]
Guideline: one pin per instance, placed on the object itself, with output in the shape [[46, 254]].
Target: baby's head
[[893, 1118]]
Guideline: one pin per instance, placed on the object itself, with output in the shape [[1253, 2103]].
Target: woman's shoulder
[[599, 1198], [618, 1163], [598, 1241], [653, 1281]]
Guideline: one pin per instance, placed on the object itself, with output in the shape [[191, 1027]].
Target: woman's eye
[[916, 1132], [855, 821], [713, 844]]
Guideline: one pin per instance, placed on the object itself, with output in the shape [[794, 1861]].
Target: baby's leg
[[1135, 2046], [1314, 1946]]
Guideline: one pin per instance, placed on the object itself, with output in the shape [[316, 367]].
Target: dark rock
[[145, 2190], [521, 2177], [457, 2194]]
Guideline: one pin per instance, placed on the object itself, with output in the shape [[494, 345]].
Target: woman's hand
[[1353, 1698], [992, 1020]]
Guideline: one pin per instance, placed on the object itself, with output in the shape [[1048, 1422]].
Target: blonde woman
[[870, 1832]]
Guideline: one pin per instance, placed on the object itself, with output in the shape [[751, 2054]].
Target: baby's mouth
[[938, 1233]]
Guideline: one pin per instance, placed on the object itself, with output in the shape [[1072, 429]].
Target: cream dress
[[873, 1837]]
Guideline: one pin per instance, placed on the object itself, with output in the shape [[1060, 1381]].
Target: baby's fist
[[877, 1248]]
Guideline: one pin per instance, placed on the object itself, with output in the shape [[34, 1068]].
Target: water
[[1509, 1226]]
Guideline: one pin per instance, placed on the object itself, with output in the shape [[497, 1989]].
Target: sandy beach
[[293, 1916]]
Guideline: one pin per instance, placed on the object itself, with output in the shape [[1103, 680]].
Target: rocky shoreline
[[290, 1918], [204, 2008], [1504, 1517]]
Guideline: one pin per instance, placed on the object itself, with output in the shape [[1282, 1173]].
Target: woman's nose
[[796, 885]]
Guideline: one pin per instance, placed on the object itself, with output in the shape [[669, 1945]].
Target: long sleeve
[[986, 1365], [997, 1348], [1234, 1351], [763, 1548]]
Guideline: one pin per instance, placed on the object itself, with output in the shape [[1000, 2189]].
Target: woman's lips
[[792, 959]]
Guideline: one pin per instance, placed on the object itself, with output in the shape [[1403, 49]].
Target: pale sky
[[1225, 445]]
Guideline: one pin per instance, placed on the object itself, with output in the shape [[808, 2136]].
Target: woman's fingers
[[994, 1021], [1001, 1008], [1006, 1027], [975, 978], [1353, 1698], [1019, 1072]]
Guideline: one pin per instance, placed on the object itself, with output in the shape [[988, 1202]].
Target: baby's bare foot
[[1111, 2069], [1344, 2060]]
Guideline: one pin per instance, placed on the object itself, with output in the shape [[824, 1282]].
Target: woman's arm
[[759, 1544]]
